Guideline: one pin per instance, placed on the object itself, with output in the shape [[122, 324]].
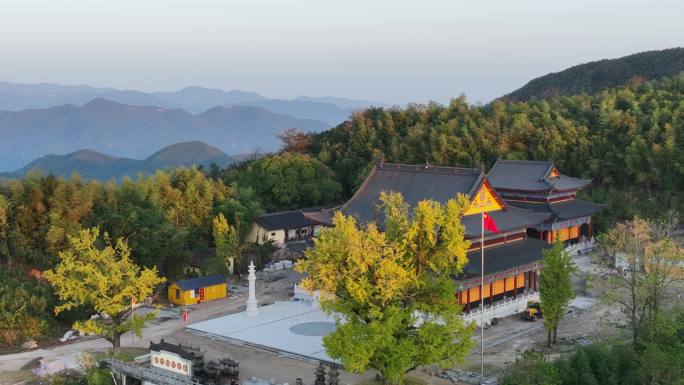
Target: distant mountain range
[[596, 76], [134, 131], [17, 97], [91, 164]]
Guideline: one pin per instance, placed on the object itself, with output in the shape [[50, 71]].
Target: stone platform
[[296, 328]]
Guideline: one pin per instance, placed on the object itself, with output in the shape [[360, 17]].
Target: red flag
[[489, 223], [185, 316]]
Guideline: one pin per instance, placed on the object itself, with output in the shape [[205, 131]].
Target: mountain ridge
[[592, 77], [135, 131], [92, 164], [194, 99]]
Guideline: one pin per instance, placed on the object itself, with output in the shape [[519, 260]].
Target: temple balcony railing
[[502, 308], [583, 246]]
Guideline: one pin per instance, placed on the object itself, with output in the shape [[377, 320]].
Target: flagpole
[[132, 334], [482, 298]]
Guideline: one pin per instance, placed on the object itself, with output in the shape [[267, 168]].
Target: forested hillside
[[629, 140], [596, 76]]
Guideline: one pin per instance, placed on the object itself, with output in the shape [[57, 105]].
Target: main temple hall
[[532, 203]]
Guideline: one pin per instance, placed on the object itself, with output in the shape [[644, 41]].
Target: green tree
[[287, 180], [226, 240], [661, 359], [393, 289], [24, 308], [4, 251], [555, 287], [531, 369], [106, 279], [241, 207]]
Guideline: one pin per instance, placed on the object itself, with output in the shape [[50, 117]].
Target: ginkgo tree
[[105, 279], [391, 291]]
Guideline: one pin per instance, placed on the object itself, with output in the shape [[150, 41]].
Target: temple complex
[[531, 203]]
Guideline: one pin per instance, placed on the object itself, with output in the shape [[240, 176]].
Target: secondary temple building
[[531, 202], [539, 187]]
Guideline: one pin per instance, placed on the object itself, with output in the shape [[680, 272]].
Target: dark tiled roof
[[196, 283], [502, 257], [300, 247], [179, 349], [530, 175], [414, 182], [559, 211], [511, 219], [287, 219], [418, 183]]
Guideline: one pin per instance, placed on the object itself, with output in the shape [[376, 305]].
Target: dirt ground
[[588, 319]]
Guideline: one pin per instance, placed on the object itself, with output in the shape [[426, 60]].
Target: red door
[[202, 294]]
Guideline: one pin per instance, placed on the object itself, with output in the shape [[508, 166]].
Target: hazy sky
[[394, 51]]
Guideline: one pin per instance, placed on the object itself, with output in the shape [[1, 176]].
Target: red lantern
[[168, 363], [173, 364]]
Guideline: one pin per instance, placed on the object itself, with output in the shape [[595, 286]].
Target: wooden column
[[468, 299], [491, 293], [515, 285], [481, 297]]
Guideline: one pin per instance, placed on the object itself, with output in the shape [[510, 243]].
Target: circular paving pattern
[[313, 329]]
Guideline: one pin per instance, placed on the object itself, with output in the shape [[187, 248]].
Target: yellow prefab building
[[196, 290]]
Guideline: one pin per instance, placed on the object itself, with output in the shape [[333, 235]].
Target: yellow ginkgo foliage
[[105, 279], [392, 291]]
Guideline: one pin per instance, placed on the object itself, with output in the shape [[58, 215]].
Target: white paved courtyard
[[292, 327]]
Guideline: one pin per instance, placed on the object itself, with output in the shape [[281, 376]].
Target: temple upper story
[[533, 180], [539, 187]]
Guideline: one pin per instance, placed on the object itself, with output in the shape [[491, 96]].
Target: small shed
[[196, 290]]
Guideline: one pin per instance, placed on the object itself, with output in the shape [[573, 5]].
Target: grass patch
[[15, 376], [125, 354]]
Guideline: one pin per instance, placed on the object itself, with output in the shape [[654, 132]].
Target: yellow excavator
[[533, 311]]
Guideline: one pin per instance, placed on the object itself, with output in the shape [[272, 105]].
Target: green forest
[[629, 140], [596, 76]]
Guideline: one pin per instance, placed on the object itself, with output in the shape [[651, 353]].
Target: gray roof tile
[[419, 182], [501, 257], [530, 175], [559, 211]]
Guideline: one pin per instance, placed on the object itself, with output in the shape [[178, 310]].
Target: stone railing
[[581, 247], [503, 308]]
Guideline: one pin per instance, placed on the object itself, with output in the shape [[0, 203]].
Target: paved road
[[154, 330]]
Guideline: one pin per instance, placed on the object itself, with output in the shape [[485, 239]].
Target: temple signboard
[[171, 362]]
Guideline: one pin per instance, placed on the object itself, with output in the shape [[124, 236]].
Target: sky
[[391, 51]]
